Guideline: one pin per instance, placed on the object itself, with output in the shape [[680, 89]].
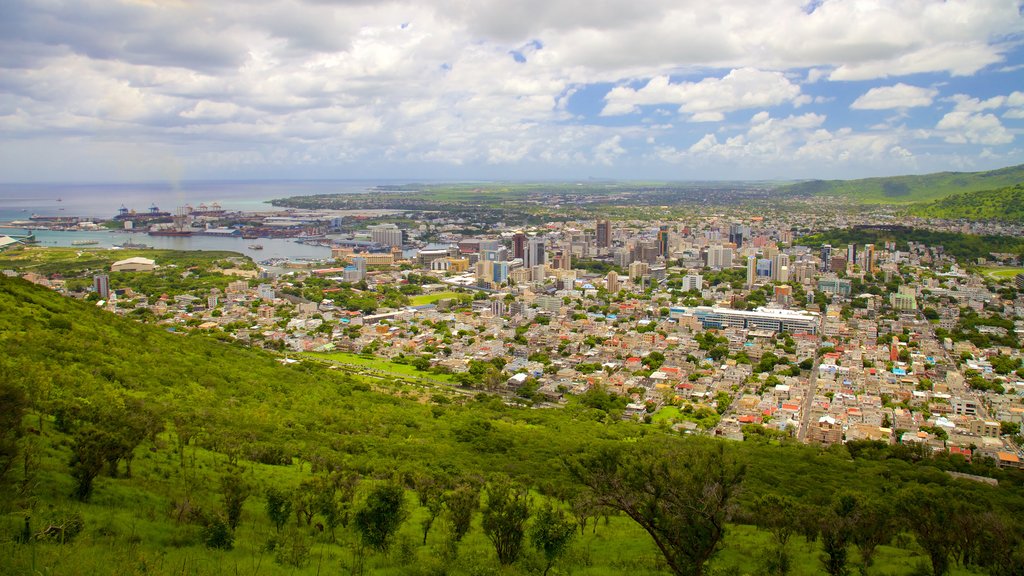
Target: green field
[[431, 298], [1000, 272], [378, 366]]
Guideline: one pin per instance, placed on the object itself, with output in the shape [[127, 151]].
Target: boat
[[169, 232], [84, 242], [132, 246], [255, 246]]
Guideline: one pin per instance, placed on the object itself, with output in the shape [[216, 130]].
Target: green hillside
[[907, 189], [1006, 204], [125, 449]]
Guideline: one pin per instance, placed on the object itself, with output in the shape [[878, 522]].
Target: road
[[812, 388]]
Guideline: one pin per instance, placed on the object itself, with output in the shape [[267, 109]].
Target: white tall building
[[692, 282], [719, 257], [386, 234], [535, 254]]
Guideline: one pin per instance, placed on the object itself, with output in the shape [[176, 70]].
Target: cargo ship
[[179, 228]]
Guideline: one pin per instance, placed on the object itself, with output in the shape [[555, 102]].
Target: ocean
[[19, 201]]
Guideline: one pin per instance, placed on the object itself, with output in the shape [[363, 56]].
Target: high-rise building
[[387, 234], [519, 246], [851, 253], [621, 257], [737, 232], [869, 258], [638, 269], [360, 263], [604, 233], [612, 282], [751, 270], [780, 266], [692, 282], [719, 257], [535, 254], [663, 241], [101, 282], [826, 258]]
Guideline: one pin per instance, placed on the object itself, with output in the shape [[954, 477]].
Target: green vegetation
[[907, 189], [177, 272], [1006, 204], [127, 449], [431, 298], [1000, 272], [965, 247]]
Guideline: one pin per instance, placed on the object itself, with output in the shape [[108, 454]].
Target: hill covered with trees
[[910, 188], [1006, 204], [128, 449]]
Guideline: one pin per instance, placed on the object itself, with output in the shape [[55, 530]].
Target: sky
[[154, 90]]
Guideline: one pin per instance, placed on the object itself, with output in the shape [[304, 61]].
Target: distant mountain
[[909, 189], [1005, 204]]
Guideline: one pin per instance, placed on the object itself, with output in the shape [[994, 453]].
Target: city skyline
[[147, 91]]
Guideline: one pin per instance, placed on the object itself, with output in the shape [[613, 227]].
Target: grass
[[423, 299], [666, 413], [1000, 272], [381, 366]]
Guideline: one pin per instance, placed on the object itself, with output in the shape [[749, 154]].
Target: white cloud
[[358, 83], [965, 127], [897, 96], [708, 99]]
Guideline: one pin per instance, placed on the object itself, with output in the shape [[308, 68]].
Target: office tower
[[663, 241], [101, 282], [851, 253], [737, 232], [780, 261], [719, 257], [359, 262], [826, 257], [604, 233], [535, 254], [869, 258], [519, 246], [692, 282], [612, 282], [751, 270], [621, 257]]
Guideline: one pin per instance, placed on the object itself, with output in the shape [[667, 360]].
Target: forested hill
[[128, 449], [1006, 204], [911, 188]]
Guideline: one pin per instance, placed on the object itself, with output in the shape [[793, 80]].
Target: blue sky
[[127, 90]]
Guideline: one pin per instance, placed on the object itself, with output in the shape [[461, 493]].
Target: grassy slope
[[1006, 204], [242, 400], [907, 189]]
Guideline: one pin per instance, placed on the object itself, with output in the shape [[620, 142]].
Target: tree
[[88, 454], [504, 518], [430, 492], [679, 491], [929, 516], [778, 515], [875, 526], [234, 491], [12, 408], [551, 534], [461, 503], [381, 516], [838, 524], [279, 507]]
